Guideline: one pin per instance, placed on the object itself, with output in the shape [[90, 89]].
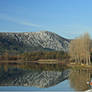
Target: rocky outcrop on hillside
[[32, 41]]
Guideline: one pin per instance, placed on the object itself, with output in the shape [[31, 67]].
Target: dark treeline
[[45, 55], [32, 56], [8, 56]]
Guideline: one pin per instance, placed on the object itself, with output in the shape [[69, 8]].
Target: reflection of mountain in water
[[41, 79]]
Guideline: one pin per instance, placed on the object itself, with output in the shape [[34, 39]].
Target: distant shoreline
[[48, 62], [44, 61]]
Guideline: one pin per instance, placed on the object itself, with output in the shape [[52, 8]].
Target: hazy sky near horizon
[[68, 18]]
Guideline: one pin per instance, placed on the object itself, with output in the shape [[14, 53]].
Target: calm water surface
[[35, 77]]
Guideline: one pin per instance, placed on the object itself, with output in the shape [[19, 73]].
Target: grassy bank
[[41, 61], [49, 62], [80, 66]]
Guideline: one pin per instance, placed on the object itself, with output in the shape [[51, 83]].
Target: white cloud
[[14, 20], [30, 24]]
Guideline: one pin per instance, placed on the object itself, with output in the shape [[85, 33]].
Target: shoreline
[[44, 61], [51, 62]]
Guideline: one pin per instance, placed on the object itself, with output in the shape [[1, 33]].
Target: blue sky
[[68, 18]]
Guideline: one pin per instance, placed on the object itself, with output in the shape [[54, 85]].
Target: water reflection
[[79, 79], [44, 76], [32, 75]]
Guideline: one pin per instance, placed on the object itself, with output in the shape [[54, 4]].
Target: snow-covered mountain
[[32, 41]]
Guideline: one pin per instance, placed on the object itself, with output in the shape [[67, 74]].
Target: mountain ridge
[[32, 41]]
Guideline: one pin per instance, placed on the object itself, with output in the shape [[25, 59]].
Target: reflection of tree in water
[[79, 78]]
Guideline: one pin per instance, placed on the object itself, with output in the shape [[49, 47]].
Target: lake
[[37, 77]]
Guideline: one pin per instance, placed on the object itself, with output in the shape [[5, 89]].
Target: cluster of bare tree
[[79, 49]]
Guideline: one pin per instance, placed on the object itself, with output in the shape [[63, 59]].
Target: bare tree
[[79, 49]]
